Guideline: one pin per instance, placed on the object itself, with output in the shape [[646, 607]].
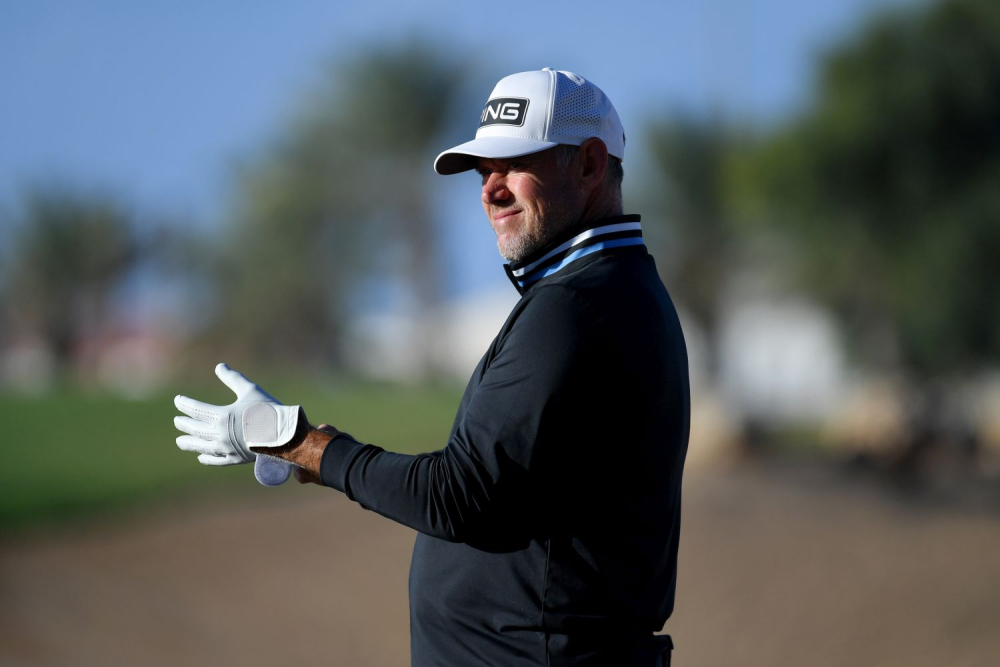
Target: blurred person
[[548, 526]]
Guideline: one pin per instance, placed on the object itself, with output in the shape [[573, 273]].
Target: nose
[[495, 189]]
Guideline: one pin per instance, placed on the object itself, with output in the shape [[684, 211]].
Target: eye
[[483, 174], [516, 165]]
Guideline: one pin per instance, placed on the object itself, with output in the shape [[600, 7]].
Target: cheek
[[523, 191]]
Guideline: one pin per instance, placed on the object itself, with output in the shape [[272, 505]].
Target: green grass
[[72, 453]]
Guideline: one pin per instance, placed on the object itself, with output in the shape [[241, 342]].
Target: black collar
[[572, 245]]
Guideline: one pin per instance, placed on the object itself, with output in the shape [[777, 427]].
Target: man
[[548, 525]]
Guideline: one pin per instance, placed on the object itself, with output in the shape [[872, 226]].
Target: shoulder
[[556, 304], [560, 295], [552, 319], [609, 282]]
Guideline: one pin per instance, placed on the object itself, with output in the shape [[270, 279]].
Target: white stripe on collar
[[576, 240], [579, 254]]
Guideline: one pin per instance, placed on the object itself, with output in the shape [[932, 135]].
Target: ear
[[593, 157]]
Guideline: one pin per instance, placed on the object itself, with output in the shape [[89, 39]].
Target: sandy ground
[[778, 566]]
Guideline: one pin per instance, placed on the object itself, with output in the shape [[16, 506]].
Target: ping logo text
[[504, 111]]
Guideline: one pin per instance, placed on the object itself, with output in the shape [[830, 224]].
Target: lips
[[504, 214]]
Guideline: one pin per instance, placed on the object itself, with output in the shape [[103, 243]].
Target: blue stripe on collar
[[575, 255], [577, 240], [618, 232]]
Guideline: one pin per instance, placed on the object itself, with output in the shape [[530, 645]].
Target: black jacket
[[549, 523]]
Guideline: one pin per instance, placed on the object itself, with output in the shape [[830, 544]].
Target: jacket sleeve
[[505, 444]]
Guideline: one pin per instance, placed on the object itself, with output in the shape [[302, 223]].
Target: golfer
[[548, 523]]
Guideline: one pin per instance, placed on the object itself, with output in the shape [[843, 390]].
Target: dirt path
[[777, 568]]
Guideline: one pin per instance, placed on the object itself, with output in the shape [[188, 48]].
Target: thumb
[[234, 380]]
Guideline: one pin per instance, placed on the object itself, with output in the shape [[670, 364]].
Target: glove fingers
[[234, 380], [190, 443], [197, 409], [196, 427], [227, 460]]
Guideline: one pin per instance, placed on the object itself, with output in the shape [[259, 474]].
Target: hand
[[222, 435]]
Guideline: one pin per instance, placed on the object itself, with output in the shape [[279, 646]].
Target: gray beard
[[532, 241], [521, 247]]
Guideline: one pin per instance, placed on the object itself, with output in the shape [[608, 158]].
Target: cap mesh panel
[[575, 112]]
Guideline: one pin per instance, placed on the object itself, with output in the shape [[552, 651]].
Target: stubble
[[536, 232]]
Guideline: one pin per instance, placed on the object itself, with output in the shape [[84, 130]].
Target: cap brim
[[463, 157]]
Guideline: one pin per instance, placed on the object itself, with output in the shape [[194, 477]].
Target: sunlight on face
[[528, 200]]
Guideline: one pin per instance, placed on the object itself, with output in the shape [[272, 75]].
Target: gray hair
[[612, 177]]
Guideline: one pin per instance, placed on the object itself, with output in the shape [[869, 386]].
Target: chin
[[509, 248], [515, 250], [504, 252]]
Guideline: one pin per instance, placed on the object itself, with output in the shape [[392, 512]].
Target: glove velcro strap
[[260, 423], [269, 424]]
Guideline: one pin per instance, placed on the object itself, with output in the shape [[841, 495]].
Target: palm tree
[[342, 197], [70, 252]]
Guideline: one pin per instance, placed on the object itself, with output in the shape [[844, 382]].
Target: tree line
[[881, 194]]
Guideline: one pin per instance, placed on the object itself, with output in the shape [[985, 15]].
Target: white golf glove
[[223, 434]]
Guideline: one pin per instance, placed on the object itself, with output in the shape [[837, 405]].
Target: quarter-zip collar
[[572, 246]]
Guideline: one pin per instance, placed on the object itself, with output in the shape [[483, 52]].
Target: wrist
[[308, 454]]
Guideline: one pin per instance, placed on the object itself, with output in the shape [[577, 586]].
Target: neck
[[601, 204]]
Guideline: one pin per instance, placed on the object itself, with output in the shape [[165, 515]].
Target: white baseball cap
[[532, 111]]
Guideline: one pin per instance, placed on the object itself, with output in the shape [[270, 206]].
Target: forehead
[[541, 158]]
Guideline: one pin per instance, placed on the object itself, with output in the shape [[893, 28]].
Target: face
[[528, 201]]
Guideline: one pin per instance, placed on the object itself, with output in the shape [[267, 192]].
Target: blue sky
[[158, 100]]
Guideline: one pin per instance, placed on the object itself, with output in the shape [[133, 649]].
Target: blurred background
[[238, 181]]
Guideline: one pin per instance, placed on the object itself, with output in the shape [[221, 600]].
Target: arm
[[513, 427]]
